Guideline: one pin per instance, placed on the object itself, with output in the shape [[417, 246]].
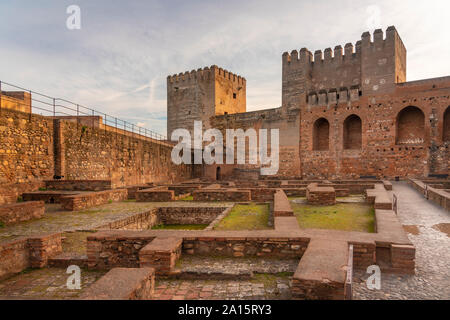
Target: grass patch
[[246, 217], [129, 200], [187, 198], [180, 227], [341, 216]]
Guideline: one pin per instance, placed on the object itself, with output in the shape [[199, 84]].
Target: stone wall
[[92, 199], [78, 185], [32, 252], [222, 195], [33, 149], [119, 250], [188, 215], [22, 211], [26, 151], [155, 195], [140, 221], [125, 159], [123, 284]]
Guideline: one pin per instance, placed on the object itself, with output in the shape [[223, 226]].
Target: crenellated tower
[[370, 67], [201, 94]]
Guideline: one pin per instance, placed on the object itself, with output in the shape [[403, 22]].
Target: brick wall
[[92, 199], [22, 253], [22, 211]]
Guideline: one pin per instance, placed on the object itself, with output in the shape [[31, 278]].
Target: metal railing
[[45, 105]]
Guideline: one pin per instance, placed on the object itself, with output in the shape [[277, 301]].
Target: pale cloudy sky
[[119, 60]]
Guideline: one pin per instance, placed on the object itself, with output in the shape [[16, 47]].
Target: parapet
[[207, 73], [349, 53]]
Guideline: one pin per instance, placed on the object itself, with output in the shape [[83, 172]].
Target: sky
[[118, 61]]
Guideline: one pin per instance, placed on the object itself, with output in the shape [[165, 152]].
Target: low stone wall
[[282, 248], [155, 195], [140, 221], [364, 254], [51, 196], [123, 284], [261, 194], [189, 215], [281, 205], [92, 199], [79, 185], [10, 192], [320, 195], [161, 254], [22, 253], [183, 189], [21, 211], [403, 258], [14, 257], [440, 197], [133, 189], [222, 195], [294, 192], [106, 251], [379, 197], [342, 192]]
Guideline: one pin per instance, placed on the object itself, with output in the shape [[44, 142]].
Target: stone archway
[[321, 134], [410, 126], [353, 133]]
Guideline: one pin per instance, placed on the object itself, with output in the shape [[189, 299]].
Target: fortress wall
[[288, 125], [230, 93], [34, 148], [381, 153], [26, 153], [201, 94], [93, 153]]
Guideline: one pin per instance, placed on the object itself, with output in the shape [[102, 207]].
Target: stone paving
[[46, 283], [432, 278], [241, 265], [262, 287]]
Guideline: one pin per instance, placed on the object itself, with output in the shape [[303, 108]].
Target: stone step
[[321, 273]]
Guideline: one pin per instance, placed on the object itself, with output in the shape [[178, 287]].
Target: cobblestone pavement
[[46, 283], [56, 220], [432, 278], [240, 265], [262, 287]]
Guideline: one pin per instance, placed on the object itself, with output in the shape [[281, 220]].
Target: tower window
[[234, 95]]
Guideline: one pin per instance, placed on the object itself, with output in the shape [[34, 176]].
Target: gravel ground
[[432, 278]]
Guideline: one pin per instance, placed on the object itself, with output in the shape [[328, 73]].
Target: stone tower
[[372, 66], [201, 94]]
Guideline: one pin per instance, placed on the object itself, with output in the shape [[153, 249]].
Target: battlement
[[206, 73], [339, 54], [372, 65]]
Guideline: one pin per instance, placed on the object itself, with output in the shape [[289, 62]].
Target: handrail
[[52, 106]]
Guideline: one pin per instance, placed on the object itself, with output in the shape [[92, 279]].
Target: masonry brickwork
[[347, 113], [32, 151]]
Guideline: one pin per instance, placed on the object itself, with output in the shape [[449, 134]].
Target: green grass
[[187, 198], [180, 227], [341, 216], [246, 217]]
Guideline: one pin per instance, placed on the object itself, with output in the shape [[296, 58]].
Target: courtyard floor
[[425, 223], [432, 278]]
